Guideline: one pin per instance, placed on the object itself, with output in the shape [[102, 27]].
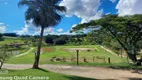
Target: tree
[[10, 34], [49, 39], [99, 36], [4, 55], [127, 30], [43, 13], [1, 37], [60, 41]]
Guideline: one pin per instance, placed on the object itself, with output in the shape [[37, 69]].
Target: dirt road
[[85, 71]]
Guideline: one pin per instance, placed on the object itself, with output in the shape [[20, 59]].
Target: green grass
[[40, 73], [116, 61], [10, 40], [46, 56]]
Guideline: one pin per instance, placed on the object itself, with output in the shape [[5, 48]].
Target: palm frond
[[60, 8], [25, 2], [43, 12]]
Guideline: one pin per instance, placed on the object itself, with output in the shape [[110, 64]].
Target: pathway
[[25, 52], [85, 71]]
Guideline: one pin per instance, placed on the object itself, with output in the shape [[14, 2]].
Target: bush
[[10, 34], [4, 55], [49, 39], [60, 41], [1, 39]]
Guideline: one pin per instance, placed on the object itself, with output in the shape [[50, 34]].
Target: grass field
[[9, 40], [62, 52], [58, 51], [37, 74]]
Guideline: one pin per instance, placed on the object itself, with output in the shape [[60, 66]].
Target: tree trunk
[[1, 64], [37, 55], [132, 57]]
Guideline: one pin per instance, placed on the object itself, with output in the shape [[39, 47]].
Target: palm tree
[[44, 14]]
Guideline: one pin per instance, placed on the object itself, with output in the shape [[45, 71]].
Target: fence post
[[104, 60], [121, 53], [77, 57], [94, 59], [108, 60], [127, 59]]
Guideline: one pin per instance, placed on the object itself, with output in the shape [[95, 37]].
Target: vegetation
[[127, 30], [65, 39], [34, 73], [44, 13], [10, 34], [4, 55], [9, 47], [1, 37], [62, 52]]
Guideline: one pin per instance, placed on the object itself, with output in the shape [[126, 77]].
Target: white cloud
[[113, 1], [25, 29], [85, 9], [2, 28], [129, 7], [108, 13], [63, 33], [5, 3], [49, 30], [30, 29], [60, 30], [74, 25], [1, 23]]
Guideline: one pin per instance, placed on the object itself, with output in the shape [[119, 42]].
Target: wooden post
[[108, 60], [94, 59], [127, 59], [121, 53], [77, 57], [104, 60]]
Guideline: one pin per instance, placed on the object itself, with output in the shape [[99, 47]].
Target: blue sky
[[12, 18]]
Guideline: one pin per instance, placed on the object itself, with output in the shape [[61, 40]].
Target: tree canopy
[[127, 30], [1, 37]]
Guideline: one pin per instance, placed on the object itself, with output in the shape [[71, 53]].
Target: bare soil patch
[[80, 49], [48, 49]]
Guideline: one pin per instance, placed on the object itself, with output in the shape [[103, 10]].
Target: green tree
[[4, 55], [49, 39], [60, 41], [43, 13], [1, 37], [127, 30]]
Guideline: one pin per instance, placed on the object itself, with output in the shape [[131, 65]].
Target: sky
[[12, 18]]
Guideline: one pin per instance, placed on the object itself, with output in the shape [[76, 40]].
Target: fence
[[88, 59]]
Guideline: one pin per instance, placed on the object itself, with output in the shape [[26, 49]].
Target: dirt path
[[110, 51], [25, 52], [91, 72]]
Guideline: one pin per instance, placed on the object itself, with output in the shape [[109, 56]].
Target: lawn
[[61, 52], [11, 40], [8, 40], [38, 74], [58, 51]]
